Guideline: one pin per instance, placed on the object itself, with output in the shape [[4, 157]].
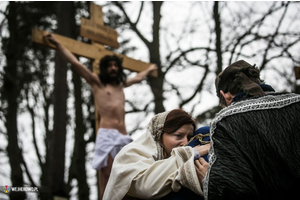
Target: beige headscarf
[[139, 169]]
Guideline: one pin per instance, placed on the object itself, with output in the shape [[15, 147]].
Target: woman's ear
[[227, 96]]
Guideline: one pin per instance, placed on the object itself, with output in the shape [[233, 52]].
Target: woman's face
[[178, 138]]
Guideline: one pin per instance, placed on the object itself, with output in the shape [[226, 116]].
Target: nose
[[114, 67], [184, 141]]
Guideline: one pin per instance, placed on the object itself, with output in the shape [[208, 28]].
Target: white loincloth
[[108, 141]]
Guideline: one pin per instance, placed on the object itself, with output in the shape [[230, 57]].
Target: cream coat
[[139, 169]]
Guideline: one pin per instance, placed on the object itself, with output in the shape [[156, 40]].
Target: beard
[[112, 76]]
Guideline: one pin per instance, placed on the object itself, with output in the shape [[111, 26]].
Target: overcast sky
[[174, 15]]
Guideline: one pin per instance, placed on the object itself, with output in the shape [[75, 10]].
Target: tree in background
[[190, 42], [26, 88], [19, 73], [211, 36]]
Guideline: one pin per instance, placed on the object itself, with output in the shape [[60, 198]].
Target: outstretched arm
[[140, 76], [82, 70]]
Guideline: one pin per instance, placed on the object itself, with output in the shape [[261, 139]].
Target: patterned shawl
[[139, 170]]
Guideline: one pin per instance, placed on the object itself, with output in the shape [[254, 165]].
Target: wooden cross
[[93, 51], [100, 35], [95, 30]]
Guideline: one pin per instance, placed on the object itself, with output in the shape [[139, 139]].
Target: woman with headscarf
[[158, 163]]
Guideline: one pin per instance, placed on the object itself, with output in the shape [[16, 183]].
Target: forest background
[[191, 42]]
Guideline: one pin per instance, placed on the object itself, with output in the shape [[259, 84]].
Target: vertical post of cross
[[96, 16]]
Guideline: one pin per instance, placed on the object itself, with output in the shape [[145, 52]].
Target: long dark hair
[[104, 77]]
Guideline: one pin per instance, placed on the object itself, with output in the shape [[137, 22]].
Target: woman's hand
[[202, 150], [201, 167]]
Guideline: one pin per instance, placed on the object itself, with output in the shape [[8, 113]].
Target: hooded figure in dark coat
[[255, 139]]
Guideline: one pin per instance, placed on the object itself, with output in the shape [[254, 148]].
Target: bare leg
[[105, 172]]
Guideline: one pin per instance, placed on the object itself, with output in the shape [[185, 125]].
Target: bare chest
[[109, 95]]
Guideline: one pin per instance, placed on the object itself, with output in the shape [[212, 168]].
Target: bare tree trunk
[[156, 83], [77, 168], [218, 37], [45, 178], [11, 94], [48, 101], [58, 142]]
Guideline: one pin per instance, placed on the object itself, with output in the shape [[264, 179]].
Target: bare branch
[[141, 9], [132, 25], [31, 111], [173, 87], [135, 109], [198, 89], [28, 173], [265, 60], [183, 53], [249, 30]]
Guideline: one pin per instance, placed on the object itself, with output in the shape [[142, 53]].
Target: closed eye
[[178, 136]]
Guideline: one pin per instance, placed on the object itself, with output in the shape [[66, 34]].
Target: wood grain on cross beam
[[91, 51], [95, 29], [99, 33]]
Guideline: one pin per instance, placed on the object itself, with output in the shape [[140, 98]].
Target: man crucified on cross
[[107, 88]]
